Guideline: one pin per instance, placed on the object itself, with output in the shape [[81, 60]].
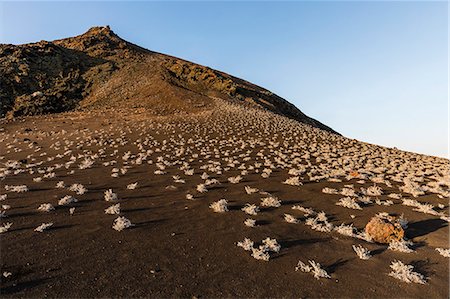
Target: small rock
[[37, 94]]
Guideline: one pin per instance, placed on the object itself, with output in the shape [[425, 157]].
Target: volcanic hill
[[98, 69]]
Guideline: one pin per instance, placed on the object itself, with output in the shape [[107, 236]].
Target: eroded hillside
[[98, 69]]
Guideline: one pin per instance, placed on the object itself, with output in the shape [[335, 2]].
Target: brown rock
[[384, 229]]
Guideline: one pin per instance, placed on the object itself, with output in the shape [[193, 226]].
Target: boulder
[[384, 229]]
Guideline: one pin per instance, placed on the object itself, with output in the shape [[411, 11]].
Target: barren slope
[[100, 70], [168, 171]]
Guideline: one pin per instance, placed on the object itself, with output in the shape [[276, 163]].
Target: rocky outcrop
[[47, 78]]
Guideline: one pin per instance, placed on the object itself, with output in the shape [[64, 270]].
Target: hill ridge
[[98, 69]]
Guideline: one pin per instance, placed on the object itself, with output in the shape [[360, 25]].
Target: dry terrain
[[178, 245]]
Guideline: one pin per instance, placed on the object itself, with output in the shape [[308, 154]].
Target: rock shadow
[[424, 227], [299, 242]]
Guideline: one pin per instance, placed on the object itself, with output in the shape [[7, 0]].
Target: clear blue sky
[[374, 71]]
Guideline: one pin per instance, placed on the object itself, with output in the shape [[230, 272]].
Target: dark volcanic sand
[[180, 247]]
